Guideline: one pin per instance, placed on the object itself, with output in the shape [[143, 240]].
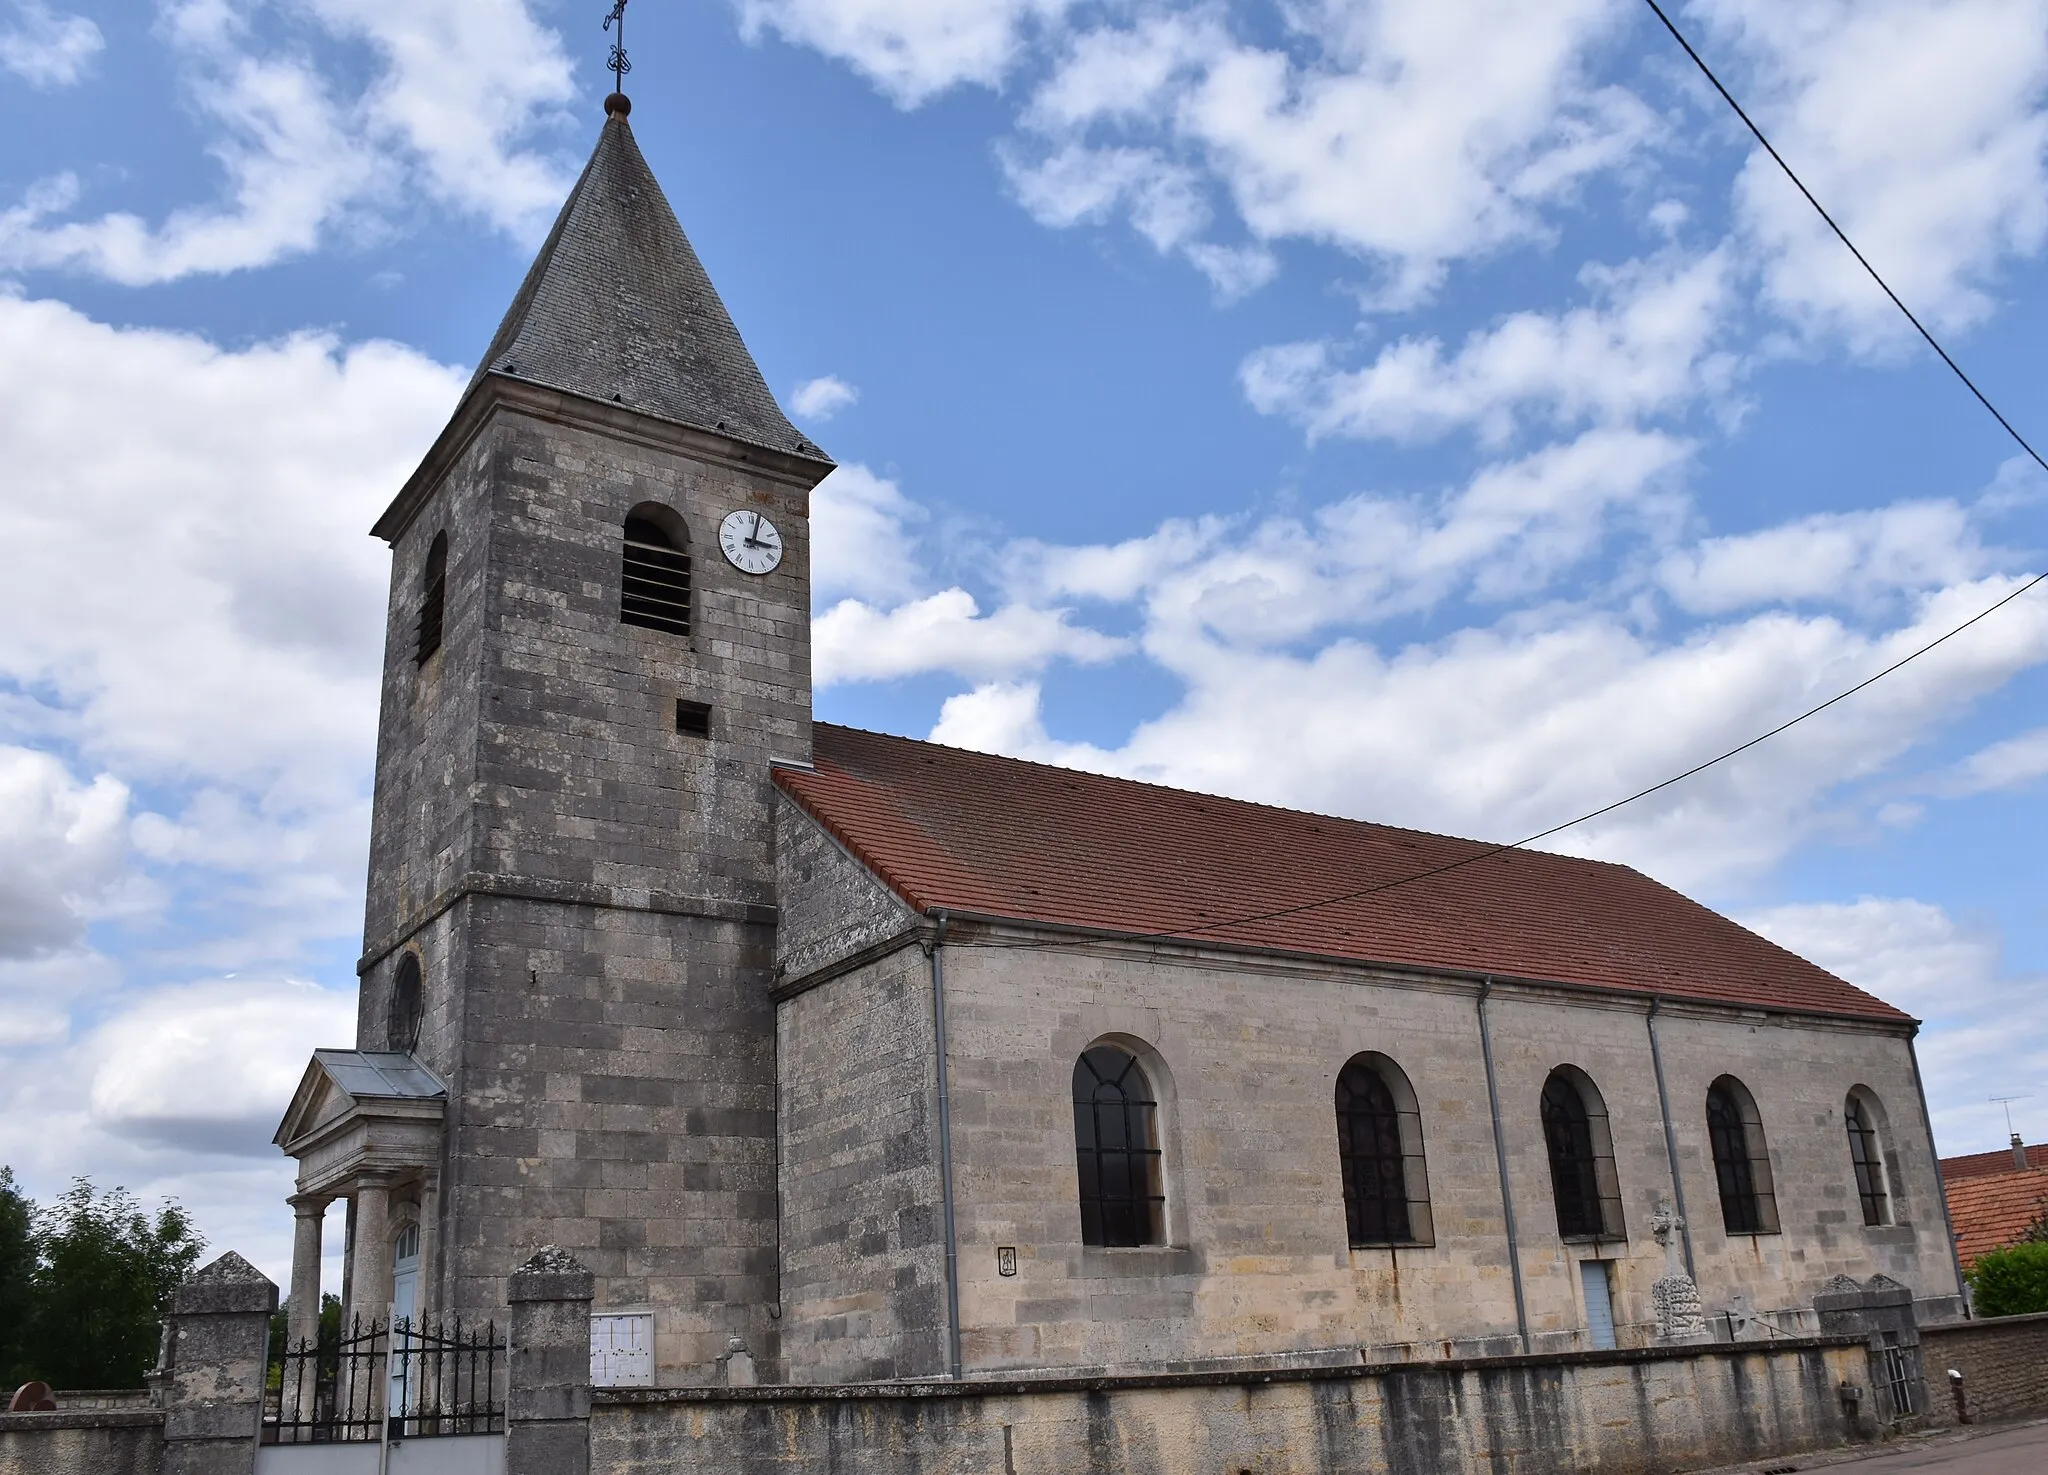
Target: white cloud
[[1987, 1031], [863, 538], [147, 1062], [1919, 126], [63, 848], [460, 86], [821, 399], [2011, 764], [47, 49], [910, 49], [1473, 115], [1846, 558], [1645, 346], [946, 631], [1509, 531]]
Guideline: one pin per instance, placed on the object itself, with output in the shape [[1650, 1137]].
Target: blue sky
[[1431, 413]]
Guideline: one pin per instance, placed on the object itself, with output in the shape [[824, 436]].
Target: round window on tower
[[403, 1029]]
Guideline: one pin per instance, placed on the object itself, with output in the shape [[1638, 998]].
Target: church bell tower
[[598, 640]]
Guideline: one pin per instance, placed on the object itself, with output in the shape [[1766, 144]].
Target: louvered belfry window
[[433, 599], [1116, 1150], [654, 590]]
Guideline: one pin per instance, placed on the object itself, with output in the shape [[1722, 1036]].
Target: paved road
[[2015, 1452]]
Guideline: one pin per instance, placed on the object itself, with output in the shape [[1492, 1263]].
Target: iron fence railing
[[411, 1380]]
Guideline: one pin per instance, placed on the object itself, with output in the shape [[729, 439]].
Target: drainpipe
[[1500, 1156], [1940, 1187], [945, 1147], [1670, 1142]]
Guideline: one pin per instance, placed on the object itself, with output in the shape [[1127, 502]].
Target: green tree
[[17, 1277], [2011, 1281], [103, 1281]]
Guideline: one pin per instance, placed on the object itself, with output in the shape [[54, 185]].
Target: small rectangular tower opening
[[693, 719]]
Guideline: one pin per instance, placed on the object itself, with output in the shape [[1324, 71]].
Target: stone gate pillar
[[215, 1346], [1882, 1310], [547, 1405]]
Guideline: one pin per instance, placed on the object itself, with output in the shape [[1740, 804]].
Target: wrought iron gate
[[362, 1383]]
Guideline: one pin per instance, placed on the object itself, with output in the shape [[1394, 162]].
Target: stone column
[[370, 1275], [547, 1406], [215, 1346], [311, 1214], [431, 1304]]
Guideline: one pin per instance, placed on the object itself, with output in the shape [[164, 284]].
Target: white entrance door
[[405, 1305], [1599, 1302]]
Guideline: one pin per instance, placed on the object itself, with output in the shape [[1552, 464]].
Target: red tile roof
[[1994, 1209], [1977, 1164], [999, 837]]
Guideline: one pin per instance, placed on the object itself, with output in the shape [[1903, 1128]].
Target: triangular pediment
[[337, 1083]]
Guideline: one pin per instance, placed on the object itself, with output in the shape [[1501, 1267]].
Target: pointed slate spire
[[618, 308]]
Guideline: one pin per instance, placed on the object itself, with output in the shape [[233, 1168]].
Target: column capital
[[310, 1205]]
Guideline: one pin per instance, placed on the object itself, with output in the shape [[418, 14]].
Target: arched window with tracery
[[433, 599], [1862, 1114], [1379, 1151], [1742, 1163], [1116, 1150], [402, 1026], [654, 584], [1583, 1181]]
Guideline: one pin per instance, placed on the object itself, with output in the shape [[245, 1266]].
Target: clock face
[[750, 542]]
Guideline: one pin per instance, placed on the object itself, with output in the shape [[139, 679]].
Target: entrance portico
[[365, 1127]]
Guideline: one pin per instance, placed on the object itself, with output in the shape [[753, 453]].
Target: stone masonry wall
[[1245, 1056], [2004, 1363], [597, 978], [1591, 1414], [831, 906], [863, 1268], [88, 1442]]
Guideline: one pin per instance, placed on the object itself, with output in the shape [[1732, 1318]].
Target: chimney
[[2019, 1152]]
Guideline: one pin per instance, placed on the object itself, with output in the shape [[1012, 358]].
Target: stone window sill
[[1099, 1262]]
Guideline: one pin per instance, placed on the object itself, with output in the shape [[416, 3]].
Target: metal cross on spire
[[617, 61]]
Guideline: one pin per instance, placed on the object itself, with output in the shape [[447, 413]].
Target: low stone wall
[[2004, 1363], [1644, 1412], [82, 1442]]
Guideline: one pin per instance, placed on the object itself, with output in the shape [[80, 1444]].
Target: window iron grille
[[1116, 1150], [1574, 1160], [1868, 1157], [1371, 1158]]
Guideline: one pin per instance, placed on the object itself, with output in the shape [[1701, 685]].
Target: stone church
[[838, 1056]]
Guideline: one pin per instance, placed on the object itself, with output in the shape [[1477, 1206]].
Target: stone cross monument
[[1680, 1317]]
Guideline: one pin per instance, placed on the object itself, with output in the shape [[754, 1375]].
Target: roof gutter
[[1500, 1157], [939, 1054]]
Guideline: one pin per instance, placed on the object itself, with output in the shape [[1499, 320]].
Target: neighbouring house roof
[[998, 837], [618, 308], [1990, 1209], [1978, 1164]]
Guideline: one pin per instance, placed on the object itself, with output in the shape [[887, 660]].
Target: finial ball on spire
[[618, 105]]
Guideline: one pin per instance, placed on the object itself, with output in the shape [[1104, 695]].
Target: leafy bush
[[85, 1283], [2011, 1281]]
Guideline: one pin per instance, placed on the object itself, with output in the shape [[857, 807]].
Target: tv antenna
[[2004, 1101]]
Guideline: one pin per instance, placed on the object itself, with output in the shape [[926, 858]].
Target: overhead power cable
[[1842, 235], [1814, 711]]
